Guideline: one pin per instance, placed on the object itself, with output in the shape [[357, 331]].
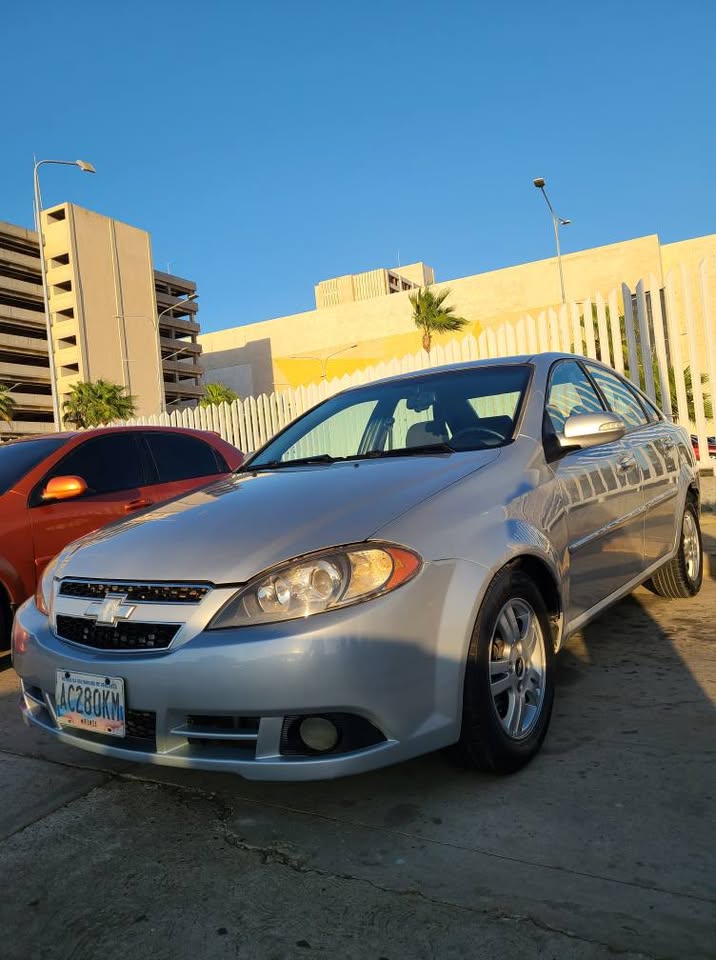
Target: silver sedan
[[392, 574]]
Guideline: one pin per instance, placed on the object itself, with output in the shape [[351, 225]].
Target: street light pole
[[323, 360], [157, 320], [86, 168], [557, 222]]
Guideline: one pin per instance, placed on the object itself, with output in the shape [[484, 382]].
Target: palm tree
[[216, 393], [7, 404], [92, 404], [432, 316]]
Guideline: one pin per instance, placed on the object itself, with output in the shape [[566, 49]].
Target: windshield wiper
[[420, 450], [298, 462]]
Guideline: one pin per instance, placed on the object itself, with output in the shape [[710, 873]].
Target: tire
[[493, 736], [682, 576]]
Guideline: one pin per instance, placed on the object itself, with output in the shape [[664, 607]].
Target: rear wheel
[[509, 678], [681, 577]]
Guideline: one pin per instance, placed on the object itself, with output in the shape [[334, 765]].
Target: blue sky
[[268, 145]]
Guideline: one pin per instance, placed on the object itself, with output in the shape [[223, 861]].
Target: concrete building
[[104, 299], [297, 349], [373, 283]]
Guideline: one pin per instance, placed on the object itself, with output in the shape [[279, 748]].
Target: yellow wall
[[112, 298], [382, 327]]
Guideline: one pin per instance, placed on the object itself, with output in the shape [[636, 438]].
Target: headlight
[[324, 581], [43, 594]]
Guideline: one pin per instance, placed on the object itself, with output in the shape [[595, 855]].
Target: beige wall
[[382, 326], [112, 298]]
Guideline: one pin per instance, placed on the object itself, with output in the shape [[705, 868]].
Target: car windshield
[[445, 412], [16, 459]]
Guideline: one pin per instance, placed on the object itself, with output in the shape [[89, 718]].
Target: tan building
[[105, 299], [373, 283], [348, 332]]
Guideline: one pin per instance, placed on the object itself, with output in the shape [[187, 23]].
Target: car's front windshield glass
[[16, 459], [473, 408]]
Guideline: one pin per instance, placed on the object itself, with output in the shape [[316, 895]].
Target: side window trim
[[149, 464]]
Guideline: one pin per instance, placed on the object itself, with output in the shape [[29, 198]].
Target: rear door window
[[178, 456]]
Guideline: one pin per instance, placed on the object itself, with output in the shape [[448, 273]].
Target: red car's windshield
[[17, 458]]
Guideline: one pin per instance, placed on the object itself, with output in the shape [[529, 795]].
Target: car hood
[[234, 529]]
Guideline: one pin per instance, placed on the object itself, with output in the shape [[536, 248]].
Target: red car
[[56, 488], [711, 443]]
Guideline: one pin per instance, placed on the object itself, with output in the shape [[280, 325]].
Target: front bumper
[[397, 662]]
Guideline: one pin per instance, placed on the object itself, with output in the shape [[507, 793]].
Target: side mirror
[[591, 430], [64, 488]]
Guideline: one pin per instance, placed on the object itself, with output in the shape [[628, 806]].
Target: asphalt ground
[[605, 845]]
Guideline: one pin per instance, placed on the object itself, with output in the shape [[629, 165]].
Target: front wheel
[[682, 576], [509, 678]]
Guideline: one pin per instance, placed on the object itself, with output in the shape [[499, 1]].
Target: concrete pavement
[[605, 844]]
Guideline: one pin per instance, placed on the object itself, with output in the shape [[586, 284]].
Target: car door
[[180, 462], [112, 468], [602, 495], [649, 439]]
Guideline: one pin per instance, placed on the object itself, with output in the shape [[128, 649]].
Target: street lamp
[[191, 298], [156, 318], [557, 222], [323, 360], [86, 168]]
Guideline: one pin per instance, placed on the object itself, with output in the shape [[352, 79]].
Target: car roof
[[543, 358], [71, 434]]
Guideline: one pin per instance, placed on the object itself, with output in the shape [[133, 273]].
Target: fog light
[[318, 734]]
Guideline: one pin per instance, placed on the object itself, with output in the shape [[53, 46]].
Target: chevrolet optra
[[391, 574]]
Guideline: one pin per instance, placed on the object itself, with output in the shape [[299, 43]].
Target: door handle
[[137, 504], [626, 463]]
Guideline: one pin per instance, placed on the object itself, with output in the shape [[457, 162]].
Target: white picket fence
[[644, 332]]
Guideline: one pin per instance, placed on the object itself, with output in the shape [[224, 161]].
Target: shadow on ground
[[605, 842]]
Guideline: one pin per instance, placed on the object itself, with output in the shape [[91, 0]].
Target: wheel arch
[[545, 579]]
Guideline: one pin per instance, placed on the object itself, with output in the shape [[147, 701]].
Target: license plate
[[90, 702]]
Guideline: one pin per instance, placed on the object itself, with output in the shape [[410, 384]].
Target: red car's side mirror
[[64, 488]]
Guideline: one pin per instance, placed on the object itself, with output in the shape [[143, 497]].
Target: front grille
[[137, 592], [125, 636]]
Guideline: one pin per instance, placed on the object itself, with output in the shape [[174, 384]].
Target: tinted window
[[106, 464], [620, 397], [570, 392], [17, 459], [180, 457]]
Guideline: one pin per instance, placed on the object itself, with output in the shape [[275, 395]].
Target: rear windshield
[[17, 459]]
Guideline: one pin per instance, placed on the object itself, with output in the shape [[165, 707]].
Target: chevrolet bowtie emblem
[[110, 610]]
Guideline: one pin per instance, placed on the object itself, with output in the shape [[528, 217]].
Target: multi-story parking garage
[[105, 302]]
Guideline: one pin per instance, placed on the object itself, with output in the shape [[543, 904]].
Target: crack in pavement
[[285, 808], [275, 855]]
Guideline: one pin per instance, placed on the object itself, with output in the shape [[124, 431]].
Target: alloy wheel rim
[[517, 668], [690, 546]]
